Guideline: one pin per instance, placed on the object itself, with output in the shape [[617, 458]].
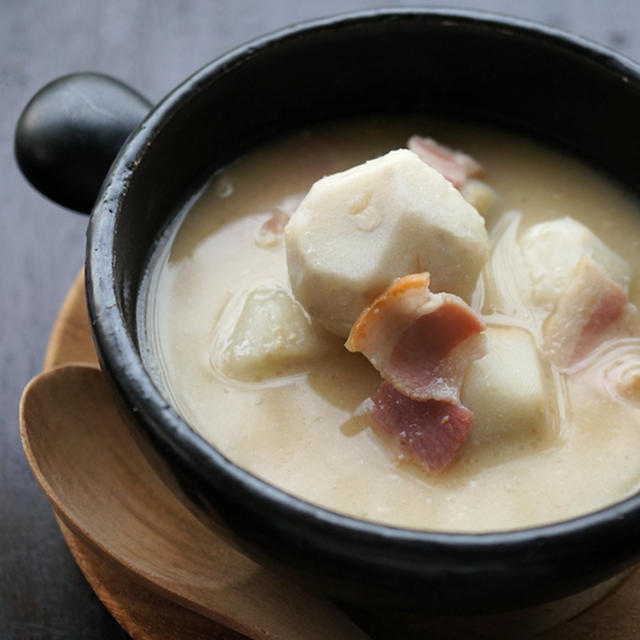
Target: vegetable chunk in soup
[[485, 287]]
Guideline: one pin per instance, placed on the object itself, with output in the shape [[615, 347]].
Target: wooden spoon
[[103, 488]]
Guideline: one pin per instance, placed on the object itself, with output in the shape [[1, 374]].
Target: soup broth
[[302, 428]]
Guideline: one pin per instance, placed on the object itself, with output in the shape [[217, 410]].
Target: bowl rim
[[119, 355]]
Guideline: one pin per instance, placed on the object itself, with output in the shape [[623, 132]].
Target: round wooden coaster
[[146, 614]]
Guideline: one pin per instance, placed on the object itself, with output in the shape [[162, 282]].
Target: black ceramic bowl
[[473, 66]]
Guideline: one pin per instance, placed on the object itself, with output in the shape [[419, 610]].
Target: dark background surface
[[151, 45]]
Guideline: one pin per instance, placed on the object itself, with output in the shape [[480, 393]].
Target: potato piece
[[356, 231], [264, 334], [479, 195], [552, 251], [505, 389]]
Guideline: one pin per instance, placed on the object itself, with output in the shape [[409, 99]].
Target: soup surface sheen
[[303, 432]]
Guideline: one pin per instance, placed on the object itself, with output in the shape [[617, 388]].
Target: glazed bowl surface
[[464, 65]]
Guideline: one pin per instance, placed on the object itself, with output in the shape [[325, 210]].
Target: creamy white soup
[[259, 368]]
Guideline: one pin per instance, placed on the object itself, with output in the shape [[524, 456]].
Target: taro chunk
[[552, 251], [505, 389], [264, 334], [480, 195], [356, 231]]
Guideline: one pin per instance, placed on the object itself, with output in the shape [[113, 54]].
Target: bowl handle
[[70, 132]]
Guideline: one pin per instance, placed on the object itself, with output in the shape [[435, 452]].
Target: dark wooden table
[[152, 46]]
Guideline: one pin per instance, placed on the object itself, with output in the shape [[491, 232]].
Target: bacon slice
[[591, 308], [430, 433], [455, 166], [421, 342]]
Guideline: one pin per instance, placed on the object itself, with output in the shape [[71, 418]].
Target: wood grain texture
[[142, 613], [68, 340], [152, 46]]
